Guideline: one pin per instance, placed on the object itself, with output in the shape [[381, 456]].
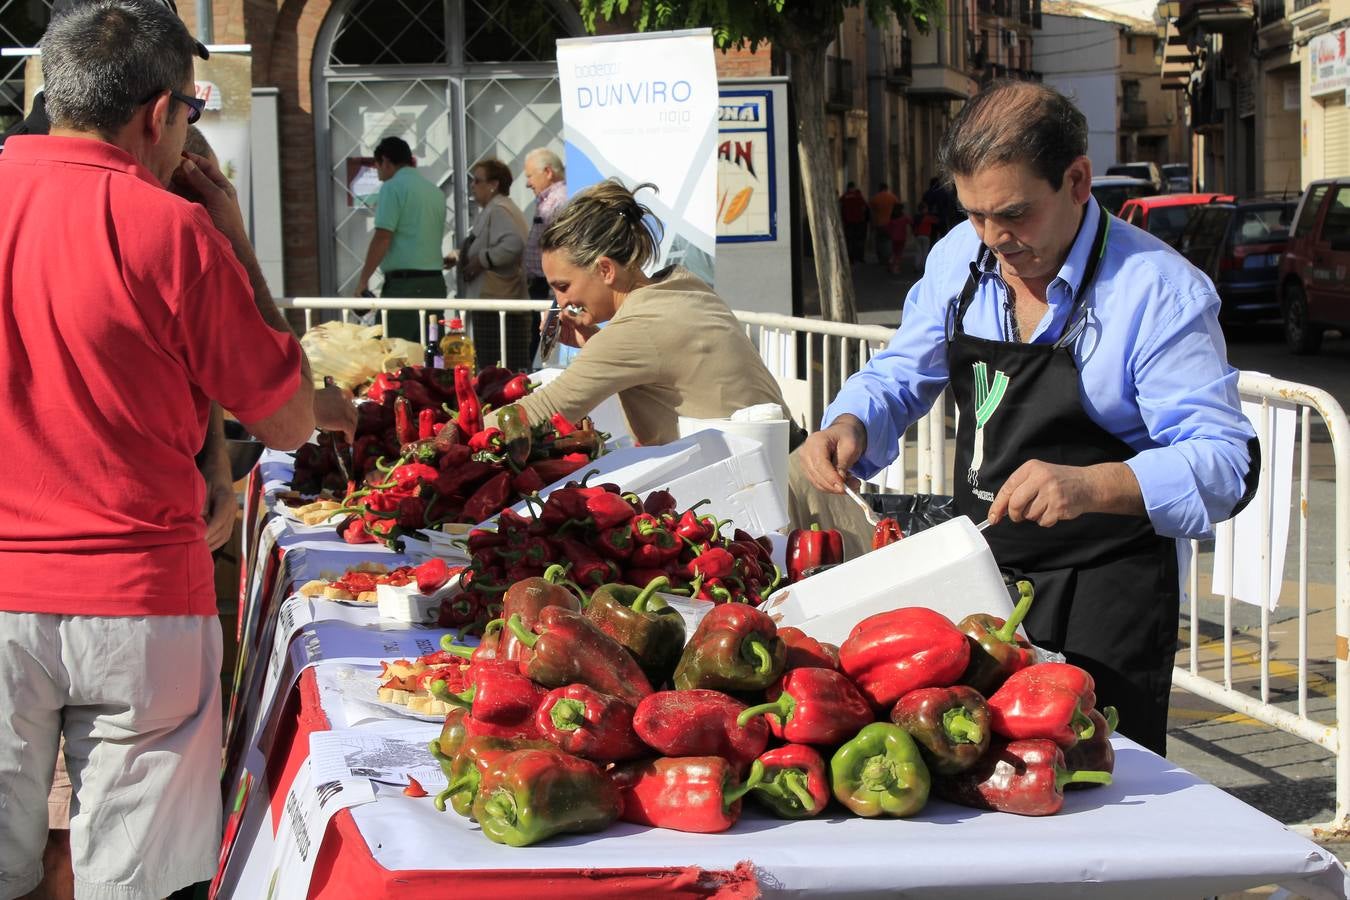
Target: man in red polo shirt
[[124, 310]]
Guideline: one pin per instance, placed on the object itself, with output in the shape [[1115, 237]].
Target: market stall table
[[1157, 831]]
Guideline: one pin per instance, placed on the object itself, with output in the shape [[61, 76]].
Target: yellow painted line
[[1213, 717], [1317, 684]]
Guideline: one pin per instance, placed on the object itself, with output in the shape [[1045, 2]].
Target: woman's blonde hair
[[605, 220]]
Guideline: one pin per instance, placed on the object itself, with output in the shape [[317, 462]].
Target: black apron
[[1107, 594]]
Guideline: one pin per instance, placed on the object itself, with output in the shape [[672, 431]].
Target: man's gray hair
[[106, 57], [1015, 122], [545, 158]]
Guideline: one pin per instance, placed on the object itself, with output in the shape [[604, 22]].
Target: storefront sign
[[643, 108], [746, 190], [1329, 69]]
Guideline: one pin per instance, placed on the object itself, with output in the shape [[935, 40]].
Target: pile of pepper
[[584, 710], [608, 536], [454, 470], [401, 407]]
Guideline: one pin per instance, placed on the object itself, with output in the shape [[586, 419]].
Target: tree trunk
[[833, 274]]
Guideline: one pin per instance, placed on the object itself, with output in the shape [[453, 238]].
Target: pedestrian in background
[[545, 175], [897, 232], [853, 211], [883, 204], [406, 243]]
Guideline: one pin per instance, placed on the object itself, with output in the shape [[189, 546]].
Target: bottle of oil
[[457, 347]]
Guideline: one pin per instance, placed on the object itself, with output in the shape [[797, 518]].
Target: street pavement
[[1285, 776]]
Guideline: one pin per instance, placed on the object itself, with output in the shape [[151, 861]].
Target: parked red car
[[1315, 267], [1165, 216]]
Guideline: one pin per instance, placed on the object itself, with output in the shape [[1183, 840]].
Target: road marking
[[1211, 717]]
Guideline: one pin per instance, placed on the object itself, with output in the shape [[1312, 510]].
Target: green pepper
[[466, 769], [651, 629], [880, 772], [515, 426], [531, 795]]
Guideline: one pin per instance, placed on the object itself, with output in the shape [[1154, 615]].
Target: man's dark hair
[[882, 186], [395, 150], [1015, 122], [105, 58]]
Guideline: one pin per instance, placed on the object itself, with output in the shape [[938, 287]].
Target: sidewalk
[[879, 294]]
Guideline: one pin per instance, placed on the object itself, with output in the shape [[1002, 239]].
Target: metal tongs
[[874, 520], [344, 464]]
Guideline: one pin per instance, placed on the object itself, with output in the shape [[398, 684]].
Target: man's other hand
[[221, 506], [334, 411], [1047, 494], [828, 455], [200, 179]]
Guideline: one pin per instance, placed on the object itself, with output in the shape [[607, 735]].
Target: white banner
[[644, 107]]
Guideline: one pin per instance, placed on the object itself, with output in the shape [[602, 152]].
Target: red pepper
[[887, 532], [470, 413], [585, 722], [383, 384], [489, 499], [513, 390], [691, 527], [353, 531], [996, 650], [1048, 700], [528, 481], [569, 648], [488, 439], [491, 379], [426, 424], [805, 652], [561, 425], [735, 648], [712, 563], [1095, 753], [414, 788], [892, 653], [659, 502], [552, 470], [411, 513], [404, 428], [813, 706], [698, 794], [502, 703], [1025, 777], [410, 476], [607, 510], [616, 542], [795, 785], [527, 599], [813, 548], [588, 569], [431, 575], [700, 723]]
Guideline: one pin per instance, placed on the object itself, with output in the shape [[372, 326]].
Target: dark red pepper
[[583, 721], [996, 650], [805, 652], [813, 706], [1025, 777], [493, 496], [1095, 753], [700, 723], [794, 785], [404, 428], [568, 649], [470, 415]]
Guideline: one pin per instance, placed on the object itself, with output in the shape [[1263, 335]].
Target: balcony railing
[[839, 83], [1300, 5], [1270, 11], [1134, 114]]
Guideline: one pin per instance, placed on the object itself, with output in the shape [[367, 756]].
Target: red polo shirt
[[122, 310]]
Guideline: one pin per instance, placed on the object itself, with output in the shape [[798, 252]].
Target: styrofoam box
[[644, 469], [947, 568]]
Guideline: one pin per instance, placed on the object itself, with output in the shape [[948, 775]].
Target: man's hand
[[199, 179], [827, 456], [334, 411], [1047, 494], [221, 506]]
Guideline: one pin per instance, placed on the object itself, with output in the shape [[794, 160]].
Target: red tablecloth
[[345, 868]]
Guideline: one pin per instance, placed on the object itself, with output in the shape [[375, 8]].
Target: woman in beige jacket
[[671, 347], [493, 257]]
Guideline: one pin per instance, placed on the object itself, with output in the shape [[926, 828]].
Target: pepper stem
[[439, 800], [522, 634], [731, 794], [794, 782], [640, 603], [501, 805], [878, 775], [1082, 776], [439, 690], [757, 654], [435, 749], [960, 727], [1082, 725], [777, 708], [449, 646], [554, 574], [466, 782], [1112, 719], [1025, 594], [568, 714]]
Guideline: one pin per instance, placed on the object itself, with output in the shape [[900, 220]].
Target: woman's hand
[[574, 333]]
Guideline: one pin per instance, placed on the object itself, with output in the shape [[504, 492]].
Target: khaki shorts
[[138, 701], [58, 799]]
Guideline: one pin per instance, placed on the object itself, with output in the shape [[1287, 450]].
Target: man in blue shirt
[[1099, 418]]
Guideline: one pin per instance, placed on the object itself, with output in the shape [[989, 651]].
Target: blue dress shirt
[[1153, 367]]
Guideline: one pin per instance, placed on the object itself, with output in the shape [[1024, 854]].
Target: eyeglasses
[[195, 105]]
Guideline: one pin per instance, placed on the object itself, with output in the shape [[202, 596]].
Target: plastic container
[[947, 568], [457, 347]]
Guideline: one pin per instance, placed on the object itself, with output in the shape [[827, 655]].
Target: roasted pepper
[[951, 725], [880, 772], [1022, 777], [795, 785], [1095, 753], [585, 722], [810, 548], [735, 648], [813, 706], [698, 794], [996, 650], [700, 723], [887, 532], [892, 653], [531, 795], [650, 629], [1048, 700], [568, 649]]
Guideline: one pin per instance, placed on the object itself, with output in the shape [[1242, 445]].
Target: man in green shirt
[[406, 245]]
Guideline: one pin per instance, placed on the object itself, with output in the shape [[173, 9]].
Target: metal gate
[[460, 80]]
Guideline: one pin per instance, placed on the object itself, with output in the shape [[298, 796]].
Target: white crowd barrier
[[811, 358]]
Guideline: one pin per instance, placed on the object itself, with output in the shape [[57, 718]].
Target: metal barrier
[[810, 358]]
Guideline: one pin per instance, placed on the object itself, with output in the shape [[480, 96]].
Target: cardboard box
[[948, 568]]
